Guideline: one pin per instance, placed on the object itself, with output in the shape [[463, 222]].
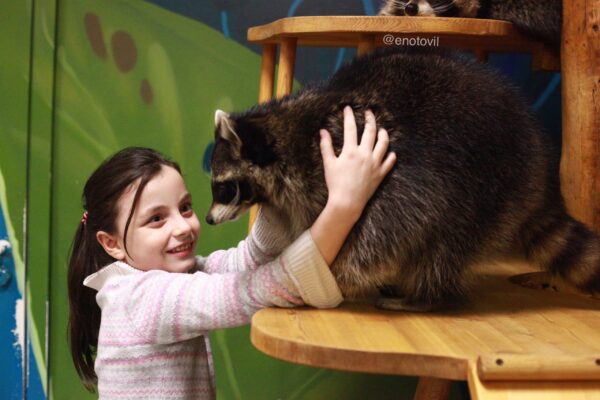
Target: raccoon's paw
[[400, 304], [536, 280]]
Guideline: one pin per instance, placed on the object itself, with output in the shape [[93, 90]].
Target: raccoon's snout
[[411, 9], [220, 213]]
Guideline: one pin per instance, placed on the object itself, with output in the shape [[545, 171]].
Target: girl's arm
[[161, 307], [351, 179]]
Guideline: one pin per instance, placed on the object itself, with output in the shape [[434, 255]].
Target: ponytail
[[87, 257]]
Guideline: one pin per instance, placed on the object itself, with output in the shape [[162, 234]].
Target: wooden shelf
[[502, 319], [348, 31]]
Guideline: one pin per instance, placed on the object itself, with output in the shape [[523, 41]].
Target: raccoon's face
[[431, 8], [238, 168]]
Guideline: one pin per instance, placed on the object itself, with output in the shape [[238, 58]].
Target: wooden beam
[[580, 61]]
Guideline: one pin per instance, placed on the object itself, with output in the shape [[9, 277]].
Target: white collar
[[99, 278]]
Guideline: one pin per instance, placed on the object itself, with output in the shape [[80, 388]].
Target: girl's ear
[[111, 245]]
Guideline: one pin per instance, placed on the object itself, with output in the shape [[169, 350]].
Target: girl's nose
[[182, 227]]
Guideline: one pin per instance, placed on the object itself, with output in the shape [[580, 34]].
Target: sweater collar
[[98, 279]]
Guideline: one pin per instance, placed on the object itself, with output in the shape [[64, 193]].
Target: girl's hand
[[355, 174], [351, 180]]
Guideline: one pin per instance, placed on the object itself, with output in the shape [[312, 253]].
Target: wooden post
[[580, 64], [265, 93], [366, 44], [287, 60]]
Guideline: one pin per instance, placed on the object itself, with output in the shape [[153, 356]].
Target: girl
[[141, 303]]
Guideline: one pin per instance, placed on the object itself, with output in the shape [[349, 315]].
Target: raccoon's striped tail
[[566, 248]]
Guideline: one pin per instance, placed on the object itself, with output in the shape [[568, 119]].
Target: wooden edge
[[523, 367], [356, 360], [381, 24], [529, 390]]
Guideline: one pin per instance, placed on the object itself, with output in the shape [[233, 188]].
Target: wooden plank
[[528, 367], [295, 26], [530, 390]]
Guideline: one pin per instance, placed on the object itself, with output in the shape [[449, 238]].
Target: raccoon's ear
[[224, 129]]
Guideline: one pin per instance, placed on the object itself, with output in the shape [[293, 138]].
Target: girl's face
[[163, 232]]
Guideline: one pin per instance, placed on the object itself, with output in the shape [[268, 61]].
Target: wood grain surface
[[500, 319]]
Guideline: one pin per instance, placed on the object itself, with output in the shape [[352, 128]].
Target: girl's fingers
[[326, 146], [368, 137], [350, 138], [381, 146], [388, 163]]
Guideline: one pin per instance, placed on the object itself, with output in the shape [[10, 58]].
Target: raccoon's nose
[[411, 9], [210, 220]]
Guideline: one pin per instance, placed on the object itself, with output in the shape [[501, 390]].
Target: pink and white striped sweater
[[153, 341]]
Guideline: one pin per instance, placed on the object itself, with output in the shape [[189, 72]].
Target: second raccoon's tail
[[565, 248]]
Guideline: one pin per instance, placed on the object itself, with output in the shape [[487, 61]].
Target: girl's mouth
[[184, 248]]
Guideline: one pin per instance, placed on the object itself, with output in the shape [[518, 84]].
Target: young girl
[[141, 302]]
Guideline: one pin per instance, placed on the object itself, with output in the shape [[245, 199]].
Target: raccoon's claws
[[400, 304], [535, 280]]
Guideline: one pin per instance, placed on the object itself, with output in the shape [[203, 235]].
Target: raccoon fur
[[475, 179], [540, 19]]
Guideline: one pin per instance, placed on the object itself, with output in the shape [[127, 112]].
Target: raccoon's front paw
[[535, 280], [400, 304]]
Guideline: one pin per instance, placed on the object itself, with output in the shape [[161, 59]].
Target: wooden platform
[[480, 35], [506, 333]]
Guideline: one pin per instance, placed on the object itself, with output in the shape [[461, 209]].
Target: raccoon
[[539, 19], [475, 178]]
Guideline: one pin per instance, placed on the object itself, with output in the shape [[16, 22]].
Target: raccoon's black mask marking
[[441, 8], [255, 146], [239, 191]]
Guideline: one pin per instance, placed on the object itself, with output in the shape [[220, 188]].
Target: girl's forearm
[[331, 228]]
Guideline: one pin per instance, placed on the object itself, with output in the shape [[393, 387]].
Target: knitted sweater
[[153, 341]]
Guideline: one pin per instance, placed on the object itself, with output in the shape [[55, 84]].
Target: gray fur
[[475, 178], [540, 19]]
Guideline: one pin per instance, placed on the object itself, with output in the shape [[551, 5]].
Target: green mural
[[121, 73]]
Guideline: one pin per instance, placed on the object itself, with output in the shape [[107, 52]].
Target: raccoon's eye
[[225, 192]]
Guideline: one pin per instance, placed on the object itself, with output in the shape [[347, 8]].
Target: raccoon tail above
[[565, 248]]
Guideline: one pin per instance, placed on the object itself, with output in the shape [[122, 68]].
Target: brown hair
[[101, 194]]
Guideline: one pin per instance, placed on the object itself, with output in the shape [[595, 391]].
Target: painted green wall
[[90, 97]]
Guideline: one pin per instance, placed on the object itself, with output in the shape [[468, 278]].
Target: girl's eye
[[155, 219], [186, 208]]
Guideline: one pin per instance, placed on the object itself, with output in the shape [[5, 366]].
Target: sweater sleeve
[[169, 307], [267, 239]]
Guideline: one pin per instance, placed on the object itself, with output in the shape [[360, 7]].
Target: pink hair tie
[[84, 218]]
